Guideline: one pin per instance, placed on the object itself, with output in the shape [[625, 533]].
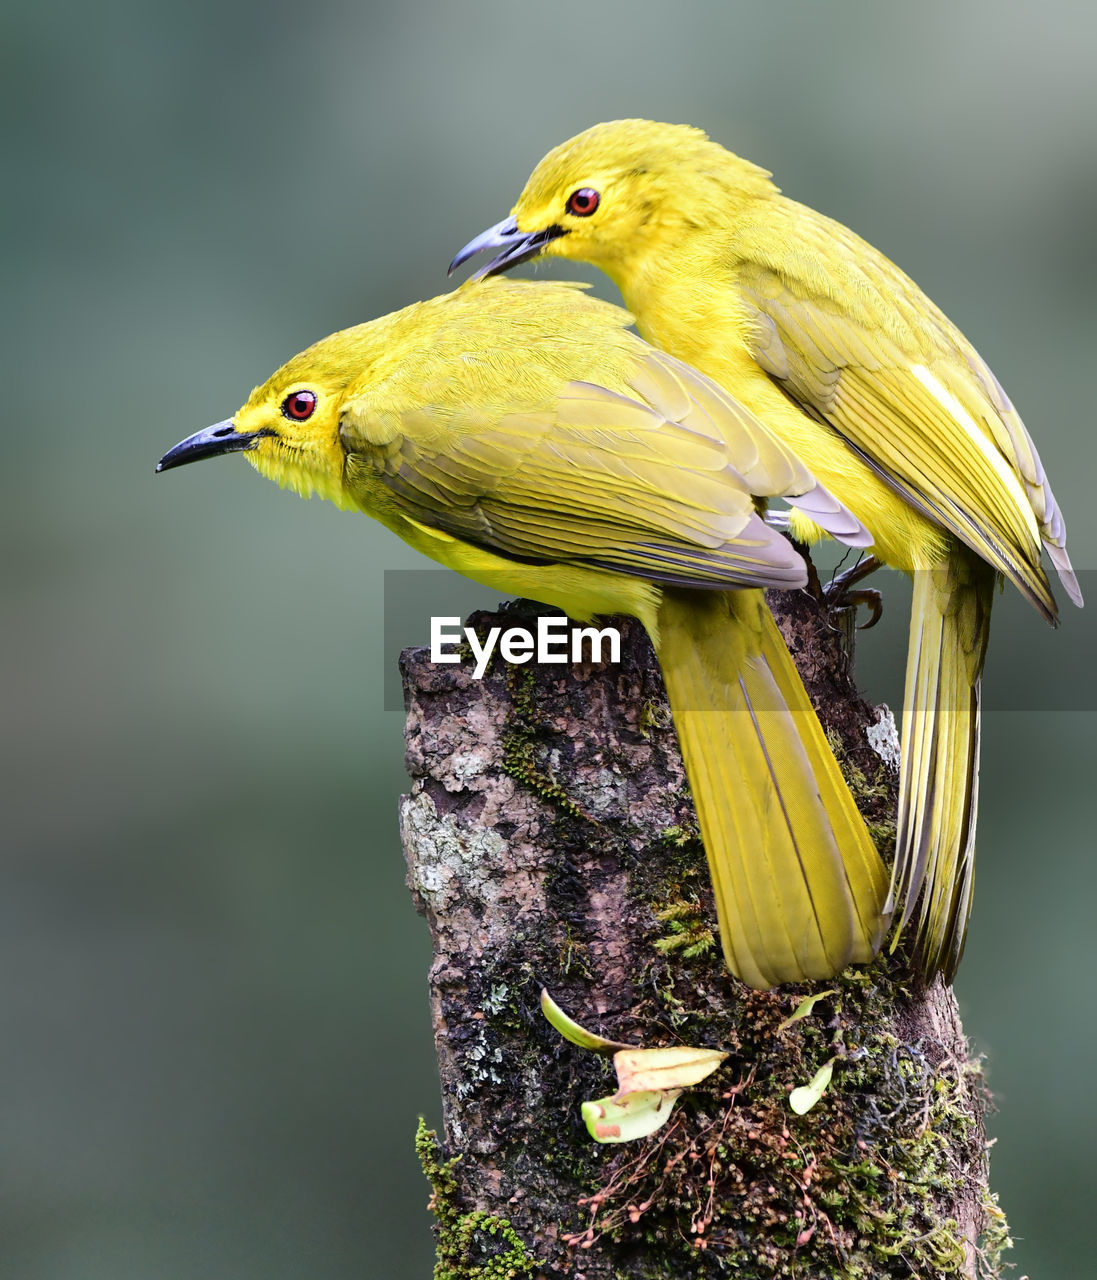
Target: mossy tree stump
[[551, 842]]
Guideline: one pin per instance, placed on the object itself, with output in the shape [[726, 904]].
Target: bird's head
[[617, 192], [289, 427]]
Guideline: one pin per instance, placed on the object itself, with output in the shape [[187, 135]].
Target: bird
[[520, 433], [844, 358]]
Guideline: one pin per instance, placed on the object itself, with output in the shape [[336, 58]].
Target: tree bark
[[551, 842]]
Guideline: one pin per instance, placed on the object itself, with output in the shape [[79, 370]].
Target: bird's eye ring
[[583, 202], [299, 405]]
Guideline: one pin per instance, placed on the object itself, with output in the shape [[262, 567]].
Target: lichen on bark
[[551, 842]]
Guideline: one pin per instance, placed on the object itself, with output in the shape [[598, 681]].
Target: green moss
[[520, 763], [471, 1245], [682, 837], [995, 1239], [674, 887], [573, 959], [520, 740], [654, 714], [870, 794], [689, 933]]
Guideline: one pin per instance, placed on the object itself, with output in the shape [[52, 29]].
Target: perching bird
[[848, 363], [520, 434]]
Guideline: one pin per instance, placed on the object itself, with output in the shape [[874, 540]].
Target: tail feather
[[798, 883], [1067, 576], [939, 782]]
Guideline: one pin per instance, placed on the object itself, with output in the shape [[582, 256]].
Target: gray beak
[[222, 437], [517, 246]]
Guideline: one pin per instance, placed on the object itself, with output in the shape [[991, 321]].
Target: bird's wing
[[642, 480], [861, 348]]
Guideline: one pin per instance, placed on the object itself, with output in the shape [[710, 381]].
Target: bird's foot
[[842, 592], [869, 597]]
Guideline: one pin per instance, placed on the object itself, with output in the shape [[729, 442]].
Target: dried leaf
[[623, 1118], [677, 1067]]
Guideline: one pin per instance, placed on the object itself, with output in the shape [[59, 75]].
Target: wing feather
[[911, 396], [657, 479]]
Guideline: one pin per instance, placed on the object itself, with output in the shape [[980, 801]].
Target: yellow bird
[[521, 435], [849, 364]]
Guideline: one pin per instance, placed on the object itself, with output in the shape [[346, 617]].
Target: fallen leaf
[[625, 1117], [804, 1008], [677, 1067], [572, 1031], [806, 1096]]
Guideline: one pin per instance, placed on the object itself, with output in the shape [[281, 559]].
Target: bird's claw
[[869, 597], [842, 593]]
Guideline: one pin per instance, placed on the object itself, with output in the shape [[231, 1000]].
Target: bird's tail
[[939, 785], [799, 885]]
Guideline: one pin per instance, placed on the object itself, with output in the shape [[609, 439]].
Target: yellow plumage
[[521, 435], [806, 885], [850, 365]]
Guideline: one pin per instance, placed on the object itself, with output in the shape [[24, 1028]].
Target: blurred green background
[[212, 982]]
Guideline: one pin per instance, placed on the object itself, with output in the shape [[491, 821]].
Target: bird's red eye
[[299, 405], [583, 202]]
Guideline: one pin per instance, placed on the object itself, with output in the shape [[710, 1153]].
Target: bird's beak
[[517, 246], [222, 437]]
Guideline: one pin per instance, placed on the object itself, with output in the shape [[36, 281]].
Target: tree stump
[[551, 843]]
